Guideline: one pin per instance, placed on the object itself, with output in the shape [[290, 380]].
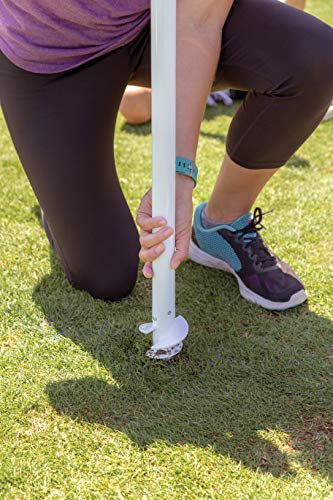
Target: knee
[[111, 285], [111, 290], [315, 65], [309, 78], [136, 105]]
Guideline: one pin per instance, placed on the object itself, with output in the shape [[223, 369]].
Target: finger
[[149, 240], [181, 253], [148, 270], [149, 223], [148, 255]]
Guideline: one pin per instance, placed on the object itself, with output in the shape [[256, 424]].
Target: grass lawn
[[246, 411]]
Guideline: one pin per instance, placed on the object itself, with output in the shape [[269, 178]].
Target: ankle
[[224, 216]]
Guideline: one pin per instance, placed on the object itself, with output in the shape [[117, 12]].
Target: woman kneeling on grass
[[63, 69]]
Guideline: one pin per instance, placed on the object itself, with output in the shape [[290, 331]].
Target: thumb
[[181, 252]]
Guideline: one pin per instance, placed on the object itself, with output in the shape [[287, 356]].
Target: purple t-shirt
[[49, 36]]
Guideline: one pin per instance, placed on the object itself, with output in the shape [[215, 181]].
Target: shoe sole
[[203, 258]]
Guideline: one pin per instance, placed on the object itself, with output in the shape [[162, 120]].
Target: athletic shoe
[[238, 248]]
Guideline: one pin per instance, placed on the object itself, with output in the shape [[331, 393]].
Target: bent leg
[[278, 54], [136, 105], [284, 58], [62, 126]]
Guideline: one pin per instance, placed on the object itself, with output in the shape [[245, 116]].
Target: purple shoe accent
[[262, 271]]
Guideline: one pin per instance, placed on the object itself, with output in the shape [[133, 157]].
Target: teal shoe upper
[[213, 243]]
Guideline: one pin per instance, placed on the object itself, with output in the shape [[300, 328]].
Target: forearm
[[199, 37]]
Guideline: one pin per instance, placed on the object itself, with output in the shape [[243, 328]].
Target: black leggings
[[62, 126]]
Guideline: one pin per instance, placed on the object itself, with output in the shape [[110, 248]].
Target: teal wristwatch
[[187, 167]]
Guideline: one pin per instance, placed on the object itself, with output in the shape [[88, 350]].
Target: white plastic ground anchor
[[168, 330], [168, 343]]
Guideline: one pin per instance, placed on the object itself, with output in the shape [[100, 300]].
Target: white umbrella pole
[[169, 331]]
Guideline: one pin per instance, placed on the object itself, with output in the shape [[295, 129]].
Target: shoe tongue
[[242, 221], [266, 259]]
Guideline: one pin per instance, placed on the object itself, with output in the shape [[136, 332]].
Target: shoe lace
[[253, 242]]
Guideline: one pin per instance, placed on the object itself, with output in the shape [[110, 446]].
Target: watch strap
[[187, 167]]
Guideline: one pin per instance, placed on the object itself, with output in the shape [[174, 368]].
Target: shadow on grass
[[244, 376], [298, 162], [221, 110], [211, 135], [36, 212], [144, 130], [136, 129]]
